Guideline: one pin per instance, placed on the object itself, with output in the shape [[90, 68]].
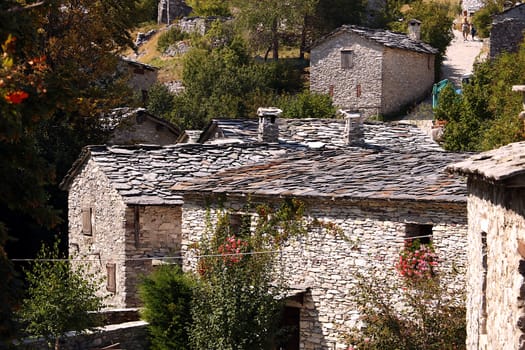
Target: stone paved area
[[460, 57]]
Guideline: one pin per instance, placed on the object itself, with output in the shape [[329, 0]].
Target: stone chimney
[[353, 132], [268, 128], [414, 29]]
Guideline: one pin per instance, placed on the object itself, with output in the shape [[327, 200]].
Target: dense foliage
[[169, 37], [60, 298], [422, 316], [485, 116], [307, 105], [167, 294], [436, 18], [237, 304]]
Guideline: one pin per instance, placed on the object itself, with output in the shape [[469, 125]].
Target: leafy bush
[[307, 105], [169, 37], [210, 8], [60, 298], [160, 101], [167, 295], [485, 116], [430, 318]]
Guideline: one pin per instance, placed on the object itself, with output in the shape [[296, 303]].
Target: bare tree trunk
[[302, 47], [275, 40], [57, 343]]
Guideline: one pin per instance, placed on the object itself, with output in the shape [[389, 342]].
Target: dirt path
[[460, 57]]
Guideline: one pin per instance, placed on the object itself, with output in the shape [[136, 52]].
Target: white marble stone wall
[[328, 263]]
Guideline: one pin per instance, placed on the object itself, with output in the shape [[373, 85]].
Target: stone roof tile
[[352, 173], [384, 37], [323, 132], [144, 174], [495, 165]]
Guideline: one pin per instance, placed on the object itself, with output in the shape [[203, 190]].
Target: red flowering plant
[[17, 78], [417, 260], [232, 250]]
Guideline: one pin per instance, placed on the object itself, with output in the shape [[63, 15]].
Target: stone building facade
[[140, 76], [496, 248], [506, 33], [131, 207], [373, 71], [127, 126], [122, 215], [375, 213], [170, 10]]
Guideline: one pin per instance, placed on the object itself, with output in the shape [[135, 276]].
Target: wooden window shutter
[[86, 221], [346, 59], [111, 277]]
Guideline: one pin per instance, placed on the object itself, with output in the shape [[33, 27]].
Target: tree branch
[[27, 7]]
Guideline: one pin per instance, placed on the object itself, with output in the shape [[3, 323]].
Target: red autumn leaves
[[16, 97]]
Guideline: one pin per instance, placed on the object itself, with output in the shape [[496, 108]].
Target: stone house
[[377, 197], [128, 126], [506, 33], [122, 212], [496, 248], [169, 10], [141, 76], [131, 207], [373, 71]]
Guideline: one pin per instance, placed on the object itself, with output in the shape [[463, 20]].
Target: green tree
[[60, 298], [268, 20], [167, 294], [437, 19], [482, 19], [210, 7], [239, 301], [226, 82], [485, 116], [307, 105]]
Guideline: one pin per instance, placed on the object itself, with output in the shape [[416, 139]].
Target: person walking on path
[[465, 28]]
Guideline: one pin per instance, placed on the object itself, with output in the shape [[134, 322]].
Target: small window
[[87, 227], [240, 225], [111, 277], [347, 59], [423, 232]]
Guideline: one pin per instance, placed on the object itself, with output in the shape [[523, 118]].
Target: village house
[[128, 126], [496, 248], [141, 76], [506, 33], [378, 198], [373, 71], [131, 207]]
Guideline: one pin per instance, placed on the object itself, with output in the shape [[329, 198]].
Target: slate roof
[[495, 165], [116, 116], [351, 173], [143, 174], [324, 132], [383, 37]]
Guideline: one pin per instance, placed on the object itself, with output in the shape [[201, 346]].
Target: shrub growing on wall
[[167, 295], [416, 312]]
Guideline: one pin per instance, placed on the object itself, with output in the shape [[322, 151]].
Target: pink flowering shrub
[[231, 250], [417, 260]]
